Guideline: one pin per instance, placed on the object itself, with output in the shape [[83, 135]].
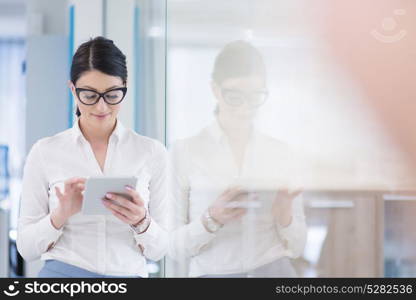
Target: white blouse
[[204, 167], [101, 244]]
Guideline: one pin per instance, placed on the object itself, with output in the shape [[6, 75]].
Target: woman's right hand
[[226, 207], [70, 201]]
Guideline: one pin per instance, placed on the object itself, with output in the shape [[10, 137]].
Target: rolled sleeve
[[50, 234], [35, 232], [187, 236], [154, 241], [50, 231], [198, 232], [294, 235], [188, 240]]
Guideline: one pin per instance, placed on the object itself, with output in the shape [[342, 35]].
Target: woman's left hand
[[129, 207]]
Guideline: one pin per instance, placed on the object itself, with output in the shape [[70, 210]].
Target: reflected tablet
[[97, 187]]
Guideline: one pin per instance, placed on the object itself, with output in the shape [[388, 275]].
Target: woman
[[235, 214], [51, 226]]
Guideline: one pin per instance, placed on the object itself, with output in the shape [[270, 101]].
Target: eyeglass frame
[[266, 92], [101, 95]]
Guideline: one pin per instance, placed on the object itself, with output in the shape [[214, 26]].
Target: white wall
[[119, 21], [53, 15], [88, 20], [114, 20]]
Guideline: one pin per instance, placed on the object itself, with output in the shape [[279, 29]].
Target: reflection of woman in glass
[[51, 226], [229, 218]]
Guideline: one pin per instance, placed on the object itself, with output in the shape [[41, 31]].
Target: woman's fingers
[[231, 190], [120, 209], [77, 183], [134, 195], [122, 201], [285, 194], [237, 213], [120, 216], [80, 187], [234, 195], [296, 193], [123, 214], [69, 182], [67, 194], [59, 193]]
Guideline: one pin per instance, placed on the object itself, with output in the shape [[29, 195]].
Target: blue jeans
[[57, 269]]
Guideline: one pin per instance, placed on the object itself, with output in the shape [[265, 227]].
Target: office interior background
[[359, 211]]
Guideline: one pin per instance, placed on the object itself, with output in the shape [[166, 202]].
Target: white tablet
[[97, 187]]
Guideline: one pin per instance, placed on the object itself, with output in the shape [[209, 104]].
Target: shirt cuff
[[293, 237], [50, 233], [149, 235], [289, 230], [199, 233]]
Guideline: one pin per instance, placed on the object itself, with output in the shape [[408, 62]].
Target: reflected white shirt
[[101, 244], [204, 167]]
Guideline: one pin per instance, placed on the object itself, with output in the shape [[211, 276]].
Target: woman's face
[[101, 113], [239, 98]]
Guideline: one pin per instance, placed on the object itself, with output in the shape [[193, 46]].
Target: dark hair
[[238, 59], [99, 54]]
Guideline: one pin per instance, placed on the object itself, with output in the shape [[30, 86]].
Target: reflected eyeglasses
[[237, 98], [91, 97]]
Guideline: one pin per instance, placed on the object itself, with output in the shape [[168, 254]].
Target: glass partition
[[271, 137], [280, 169]]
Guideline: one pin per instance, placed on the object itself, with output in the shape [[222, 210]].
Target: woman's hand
[[129, 209], [70, 201], [227, 206], [282, 206]]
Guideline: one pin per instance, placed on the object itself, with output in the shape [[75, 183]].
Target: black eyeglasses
[[91, 97], [237, 98]]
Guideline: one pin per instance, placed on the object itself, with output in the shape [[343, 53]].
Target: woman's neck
[[95, 134], [235, 131]]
